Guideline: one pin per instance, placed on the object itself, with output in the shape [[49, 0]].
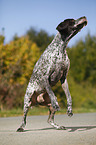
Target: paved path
[[80, 130]]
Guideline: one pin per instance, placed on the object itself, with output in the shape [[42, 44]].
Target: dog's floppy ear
[[63, 27], [66, 27]]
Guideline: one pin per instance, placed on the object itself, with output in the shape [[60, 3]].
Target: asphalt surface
[[80, 130]]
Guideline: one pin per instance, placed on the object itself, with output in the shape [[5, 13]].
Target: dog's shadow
[[69, 129], [80, 128]]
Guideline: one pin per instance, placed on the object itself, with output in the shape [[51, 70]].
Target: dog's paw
[[69, 113], [61, 128], [20, 129], [56, 106]]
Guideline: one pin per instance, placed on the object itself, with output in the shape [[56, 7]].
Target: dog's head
[[70, 27]]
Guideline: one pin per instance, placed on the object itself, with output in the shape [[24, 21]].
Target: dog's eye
[[72, 22]]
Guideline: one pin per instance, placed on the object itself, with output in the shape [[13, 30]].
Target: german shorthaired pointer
[[52, 66]]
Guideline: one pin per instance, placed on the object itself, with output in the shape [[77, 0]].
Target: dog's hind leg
[[51, 119], [27, 104]]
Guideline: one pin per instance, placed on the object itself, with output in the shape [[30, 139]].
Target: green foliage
[[2, 39], [41, 38], [83, 60], [17, 60], [82, 72], [38, 110]]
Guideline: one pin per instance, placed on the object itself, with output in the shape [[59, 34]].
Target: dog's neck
[[58, 41]]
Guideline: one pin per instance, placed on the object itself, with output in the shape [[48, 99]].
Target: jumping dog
[[52, 66]]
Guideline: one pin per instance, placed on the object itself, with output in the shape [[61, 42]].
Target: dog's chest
[[61, 68], [63, 61]]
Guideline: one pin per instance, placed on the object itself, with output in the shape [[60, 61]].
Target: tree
[[16, 65], [2, 38], [41, 38], [83, 60]]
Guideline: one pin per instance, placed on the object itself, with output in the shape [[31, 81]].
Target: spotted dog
[[52, 66]]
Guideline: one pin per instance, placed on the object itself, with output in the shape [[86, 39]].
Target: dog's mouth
[[80, 23]]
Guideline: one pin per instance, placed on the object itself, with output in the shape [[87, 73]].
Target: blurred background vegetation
[[17, 60]]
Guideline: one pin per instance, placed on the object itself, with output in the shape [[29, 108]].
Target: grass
[[41, 111]]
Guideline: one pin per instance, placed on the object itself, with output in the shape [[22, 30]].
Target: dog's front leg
[[51, 119], [68, 96], [52, 96]]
